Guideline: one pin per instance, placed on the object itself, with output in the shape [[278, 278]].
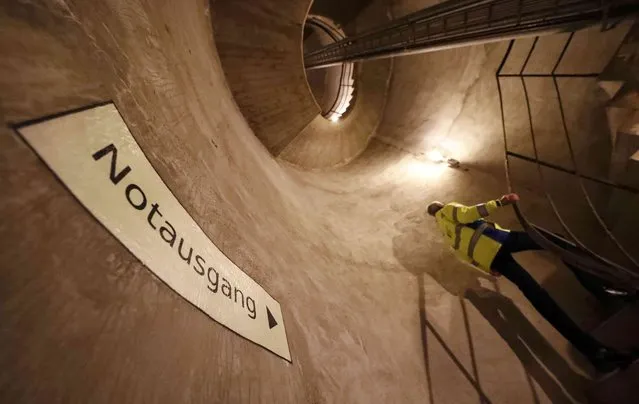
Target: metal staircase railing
[[346, 92], [575, 253], [462, 22]]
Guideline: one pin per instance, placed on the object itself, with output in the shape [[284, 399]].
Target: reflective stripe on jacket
[[470, 243]]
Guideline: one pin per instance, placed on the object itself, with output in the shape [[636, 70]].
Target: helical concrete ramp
[[215, 95]]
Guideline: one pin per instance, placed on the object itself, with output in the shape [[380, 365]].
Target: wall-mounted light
[[334, 118], [435, 156]]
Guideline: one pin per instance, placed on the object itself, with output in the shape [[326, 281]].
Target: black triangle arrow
[[271, 320]]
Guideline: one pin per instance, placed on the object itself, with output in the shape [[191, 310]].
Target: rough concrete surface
[[371, 297], [273, 92], [324, 144], [260, 46], [449, 101]]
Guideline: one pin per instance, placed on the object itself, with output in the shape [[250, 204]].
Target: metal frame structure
[[577, 253], [462, 22], [346, 92]]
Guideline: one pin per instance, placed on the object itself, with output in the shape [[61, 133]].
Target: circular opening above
[[333, 87]]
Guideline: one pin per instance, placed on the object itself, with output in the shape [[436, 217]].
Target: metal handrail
[[587, 260], [576, 166], [346, 71], [463, 21], [542, 178]]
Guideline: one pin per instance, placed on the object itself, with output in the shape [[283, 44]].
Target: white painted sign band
[[97, 158]]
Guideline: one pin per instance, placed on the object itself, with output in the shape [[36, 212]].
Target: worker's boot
[[608, 361]]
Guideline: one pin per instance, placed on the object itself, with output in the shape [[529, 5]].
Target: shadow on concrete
[[414, 250], [578, 298], [425, 327], [541, 361]]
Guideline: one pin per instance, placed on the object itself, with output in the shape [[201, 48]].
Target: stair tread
[[626, 97], [611, 87], [630, 125], [616, 117]]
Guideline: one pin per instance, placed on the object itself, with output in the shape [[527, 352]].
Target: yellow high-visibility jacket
[[474, 240]]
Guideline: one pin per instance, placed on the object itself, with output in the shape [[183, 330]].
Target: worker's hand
[[509, 199]]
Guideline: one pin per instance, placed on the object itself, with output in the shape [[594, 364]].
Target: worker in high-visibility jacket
[[489, 248]]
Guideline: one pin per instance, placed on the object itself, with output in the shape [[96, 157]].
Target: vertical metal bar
[[599, 270], [575, 165], [583, 186], [551, 200], [543, 181], [503, 62], [534, 142], [530, 52], [542, 178], [563, 52], [503, 118]]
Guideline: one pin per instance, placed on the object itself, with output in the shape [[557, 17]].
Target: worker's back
[[474, 240]]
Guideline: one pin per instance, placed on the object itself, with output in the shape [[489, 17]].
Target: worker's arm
[[467, 214]]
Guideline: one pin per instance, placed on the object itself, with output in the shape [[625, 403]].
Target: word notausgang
[[166, 231], [93, 152]]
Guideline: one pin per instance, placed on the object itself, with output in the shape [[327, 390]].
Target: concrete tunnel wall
[[323, 144], [448, 100], [85, 320], [82, 302], [457, 104], [260, 45], [273, 93], [343, 252]]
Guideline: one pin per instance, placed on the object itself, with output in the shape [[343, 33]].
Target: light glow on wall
[[423, 169], [435, 156], [451, 147]]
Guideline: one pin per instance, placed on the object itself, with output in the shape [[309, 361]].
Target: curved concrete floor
[[371, 298]]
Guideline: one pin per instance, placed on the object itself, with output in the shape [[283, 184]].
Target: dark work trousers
[[506, 265]]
